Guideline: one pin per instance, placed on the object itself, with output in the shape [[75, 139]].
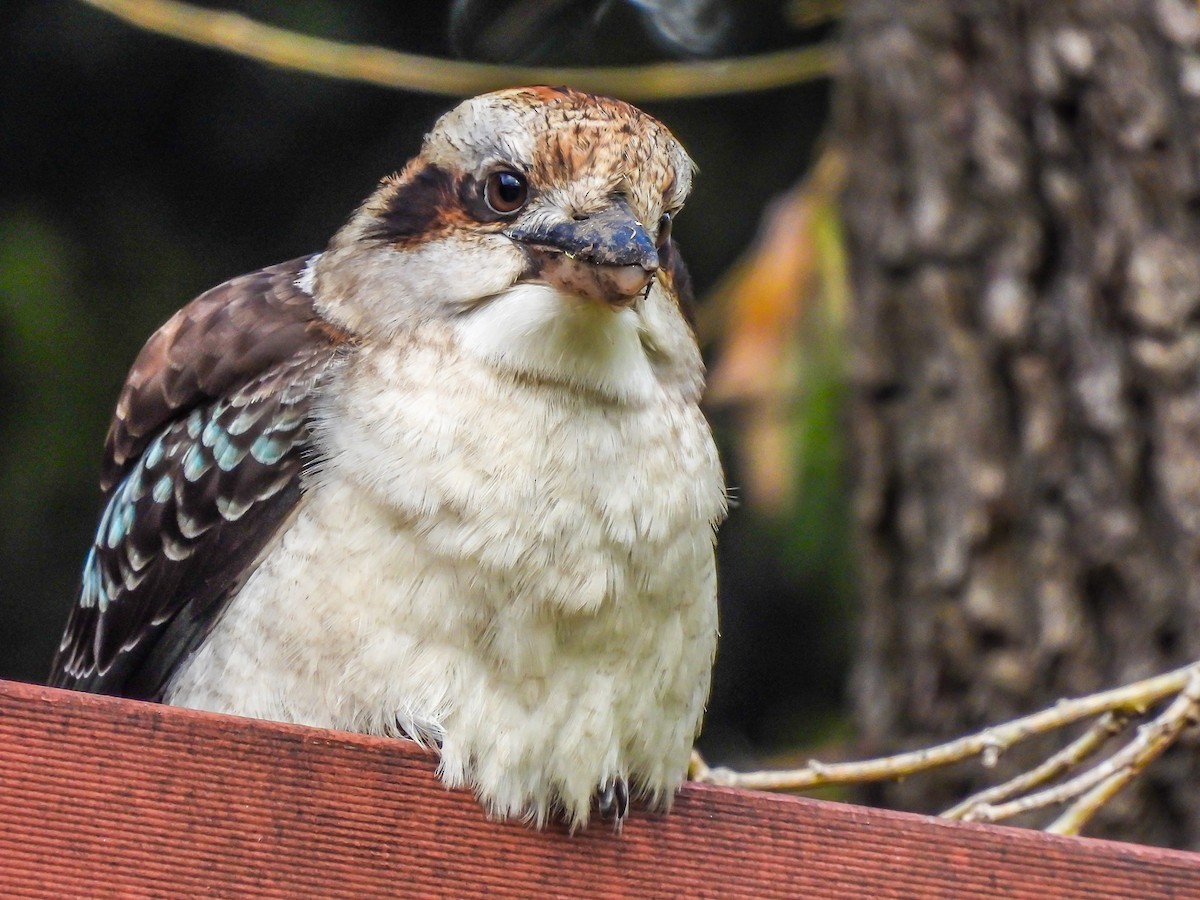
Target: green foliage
[[49, 349]]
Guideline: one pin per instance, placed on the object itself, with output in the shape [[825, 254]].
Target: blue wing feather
[[206, 456]]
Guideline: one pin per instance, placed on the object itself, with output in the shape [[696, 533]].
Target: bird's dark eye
[[664, 229], [506, 192]]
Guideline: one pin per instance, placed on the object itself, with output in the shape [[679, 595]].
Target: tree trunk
[[1023, 214]]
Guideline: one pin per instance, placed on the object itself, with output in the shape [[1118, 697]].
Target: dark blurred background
[[138, 171]]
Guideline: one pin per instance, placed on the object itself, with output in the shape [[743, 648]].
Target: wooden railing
[[102, 797]]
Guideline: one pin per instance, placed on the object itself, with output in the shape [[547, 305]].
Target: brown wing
[[203, 463]]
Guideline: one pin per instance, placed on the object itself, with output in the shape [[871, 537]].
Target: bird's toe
[[612, 800]]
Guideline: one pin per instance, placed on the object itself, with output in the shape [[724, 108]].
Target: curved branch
[[1106, 727], [1152, 740], [235, 33], [987, 744]]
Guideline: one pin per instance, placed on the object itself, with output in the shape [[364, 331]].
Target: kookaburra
[[447, 479]]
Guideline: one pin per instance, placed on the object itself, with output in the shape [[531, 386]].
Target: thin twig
[[1059, 793], [241, 35], [1106, 727], [1152, 741], [1103, 780], [988, 743]]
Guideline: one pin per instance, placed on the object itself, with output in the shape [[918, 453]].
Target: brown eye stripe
[[424, 202], [432, 201]]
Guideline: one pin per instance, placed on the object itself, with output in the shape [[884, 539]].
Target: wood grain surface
[[102, 797]]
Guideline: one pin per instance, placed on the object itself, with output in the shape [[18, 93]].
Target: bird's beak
[[607, 256]]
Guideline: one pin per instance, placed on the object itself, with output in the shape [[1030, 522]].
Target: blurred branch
[[1087, 791], [235, 33], [811, 13]]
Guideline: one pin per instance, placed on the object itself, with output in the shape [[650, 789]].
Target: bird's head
[[536, 223]]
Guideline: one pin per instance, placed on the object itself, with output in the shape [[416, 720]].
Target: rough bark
[[1023, 211]]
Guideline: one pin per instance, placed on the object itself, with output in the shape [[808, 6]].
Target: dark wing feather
[[203, 464]]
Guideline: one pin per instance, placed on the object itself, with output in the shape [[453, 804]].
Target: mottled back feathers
[[202, 464]]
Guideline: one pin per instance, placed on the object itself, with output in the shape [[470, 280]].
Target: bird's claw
[[612, 800]]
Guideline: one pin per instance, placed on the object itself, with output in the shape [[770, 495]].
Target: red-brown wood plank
[[102, 797]]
